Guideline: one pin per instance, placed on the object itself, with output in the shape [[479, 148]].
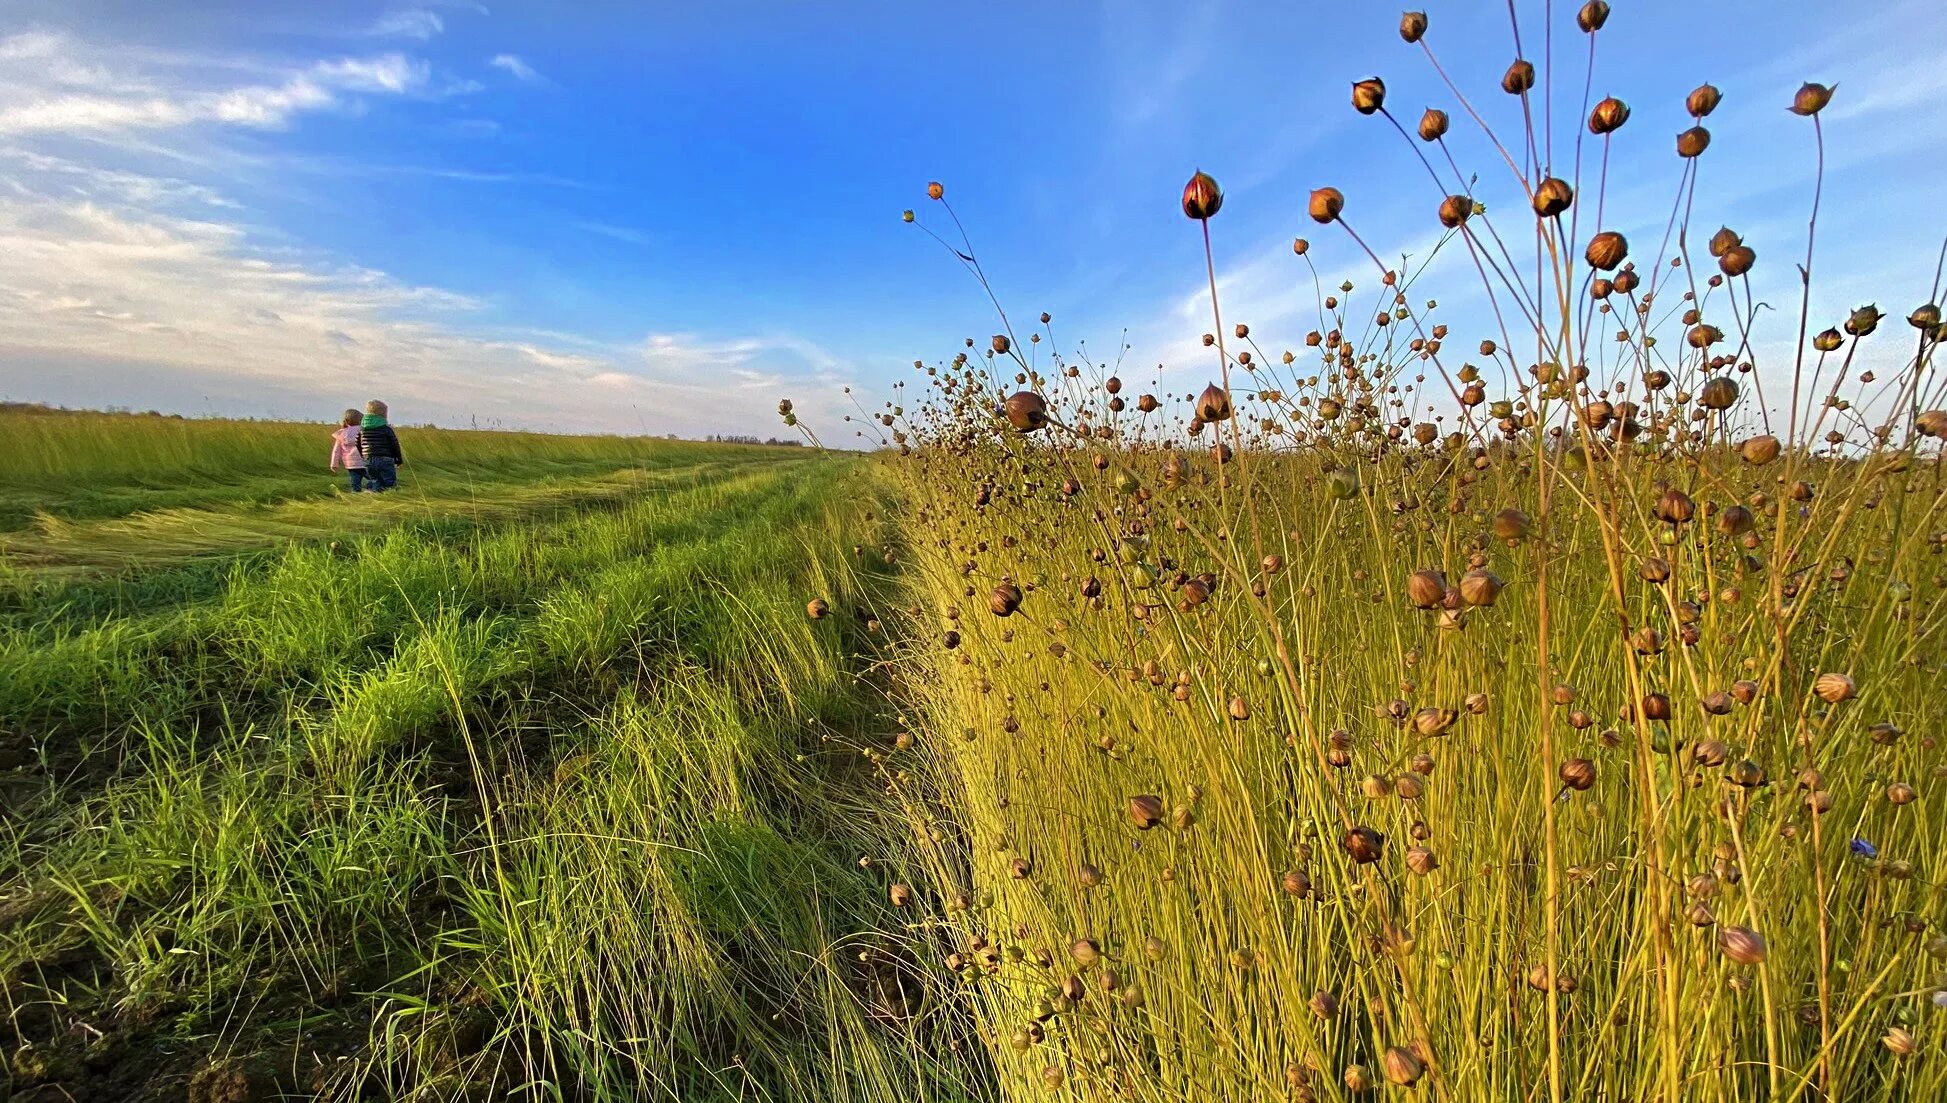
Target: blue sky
[[629, 217]]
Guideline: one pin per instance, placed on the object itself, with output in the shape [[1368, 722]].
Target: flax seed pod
[[1025, 410], [1202, 198], [1369, 95], [1608, 116], [1426, 588], [1834, 688], [1479, 588], [1364, 845], [1606, 250], [1402, 1067], [1519, 78], [1553, 196], [1325, 205], [1742, 945], [1578, 774]]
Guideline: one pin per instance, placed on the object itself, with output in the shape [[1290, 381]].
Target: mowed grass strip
[[564, 802]]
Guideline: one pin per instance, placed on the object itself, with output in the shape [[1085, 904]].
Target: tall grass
[[561, 809], [1553, 721]]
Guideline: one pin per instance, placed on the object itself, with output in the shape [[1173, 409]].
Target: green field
[[532, 773]]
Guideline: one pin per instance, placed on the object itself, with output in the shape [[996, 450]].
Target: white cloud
[[409, 23], [628, 234], [513, 64], [115, 286], [50, 84]]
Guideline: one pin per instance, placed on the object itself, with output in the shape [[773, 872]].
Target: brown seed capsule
[[1592, 16], [1325, 205], [1369, 95], [1202, 198], [1519, 78], [817, 608], [1005, 599], [1479, 588], [1026, 411], [1272, 564], [1834, 688], [1510, 524], [1898, 1040], [1931, 423], [1148, 404], [1323, 1004], [1553, 196], [1608, 116], [1718, 393], [1703, 100], [1412, 25], [1420, 860], [1828, 340], [1433, 124], [1737, 260], [1295, 883], [1744, 691], [1606, 250], [902, 895], [1656, 706], [1693, 142], [1746, 774], [1146, 811], [1430, 722], [1213, 405], [1675, 507], [1402, 1067], [1454, 210], [1811, 99], [1425, 588], [1901, 793], [1735, 520], [1578, 774], [1364, 845], [1863, 321], [1239, 709], [1654, 570], [1710, 753], [1759, 450], [1742, 945]]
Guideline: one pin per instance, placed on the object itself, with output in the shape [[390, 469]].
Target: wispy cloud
[[626, 234], [140, 280], [514, 65], [416, 23], [52, 84]]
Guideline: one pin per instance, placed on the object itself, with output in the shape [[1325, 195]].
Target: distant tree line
[[737, 438]]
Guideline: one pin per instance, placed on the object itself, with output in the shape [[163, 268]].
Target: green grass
[[81, 466], [548, 785]]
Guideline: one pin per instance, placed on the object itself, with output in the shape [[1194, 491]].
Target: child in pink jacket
[[344, 451]]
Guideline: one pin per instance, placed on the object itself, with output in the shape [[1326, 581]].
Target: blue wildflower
[[1864, 849]]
